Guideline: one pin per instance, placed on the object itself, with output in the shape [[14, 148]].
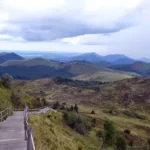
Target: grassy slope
[[25, 69], [52, 134], [24, 98], [32, 62], [111, 97], [137, 67], [4, 97], [104, 76]]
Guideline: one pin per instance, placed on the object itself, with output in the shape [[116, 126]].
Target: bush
[[121, 143], [56, 105], [16, 100], [76, 122], [76, 108], [92, 112], [127, 131], [100, 134], [43, 102], [71, 108], [110, 133], [130, 143], [6, 80], [93, 121]]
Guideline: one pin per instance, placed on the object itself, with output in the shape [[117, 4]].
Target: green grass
[[51, 133], [104, 76], [4, 97], [121, 121], [32, 62]]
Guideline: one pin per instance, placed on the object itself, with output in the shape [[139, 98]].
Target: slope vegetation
[[40, 68], [137, 67], [125, 102]]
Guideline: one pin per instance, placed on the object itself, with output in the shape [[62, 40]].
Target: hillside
[[16, 98], [104, 76], [123, 91], [36, 68], [114, 57], [32, 62], [123, 61], [88, 57], [9, 56], [93, 58], [52, 133], [83, 67], [125, 102], [137, 67]]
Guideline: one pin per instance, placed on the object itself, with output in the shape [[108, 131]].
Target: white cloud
[[104, 26]]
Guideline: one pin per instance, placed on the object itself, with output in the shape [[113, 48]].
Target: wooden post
[[1, 117], [29, 141], [7, 111]]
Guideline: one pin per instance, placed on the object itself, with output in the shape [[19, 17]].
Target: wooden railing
[[28, 130], [5, 113]]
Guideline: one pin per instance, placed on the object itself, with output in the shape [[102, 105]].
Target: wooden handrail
[[28, 130], [5, 113]]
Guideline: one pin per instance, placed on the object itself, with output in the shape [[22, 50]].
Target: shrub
[[130, 143], [93, 121], [110, 133], [43, 102], [148, 141], [92, 112], [127, 131], [6, 80], [56, 105], [100, 134], [121, 143], [16, 100], [76, 108], [76, 122], [71, 108]]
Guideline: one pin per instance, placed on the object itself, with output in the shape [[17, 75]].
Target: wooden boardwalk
[[12, 134]]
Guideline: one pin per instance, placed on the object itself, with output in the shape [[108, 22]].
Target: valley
[[125, 102], [84, 97]]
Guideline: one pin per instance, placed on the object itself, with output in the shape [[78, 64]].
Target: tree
[[6, 80], [92, 112], [121, 143], [110, 133], [71, 108], [76, 108]]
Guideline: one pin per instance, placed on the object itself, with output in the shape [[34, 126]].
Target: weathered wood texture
[[12, 134], [28, 131]]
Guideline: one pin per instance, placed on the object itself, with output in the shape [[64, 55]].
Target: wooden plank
[[12, 133]]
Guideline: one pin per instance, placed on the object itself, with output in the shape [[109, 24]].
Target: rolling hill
[[32, 62], [139, 67], [114, 57], [125, 102], [104, 61], [93, 58], [40, 68], [123, 61], [9, 56], [104, 76]]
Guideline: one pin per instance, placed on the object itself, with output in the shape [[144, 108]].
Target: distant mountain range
[[139, 67], [40, 68], [89, 65], [105, 61], [9, 56]]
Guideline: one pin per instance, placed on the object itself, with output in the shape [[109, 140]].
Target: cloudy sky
[[102, 26]]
